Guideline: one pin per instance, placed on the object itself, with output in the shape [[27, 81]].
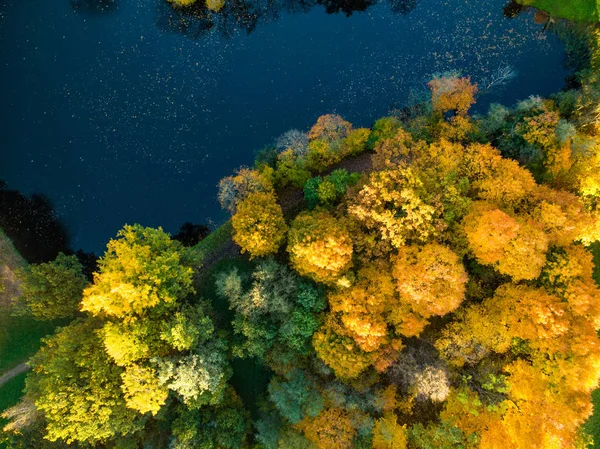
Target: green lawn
[[213, 243], [19, 335], [592, 426], [576, 10], [10, 393], [19, 338]]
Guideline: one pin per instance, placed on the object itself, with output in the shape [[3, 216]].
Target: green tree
[[296, 396], [54, 289], [78, 388], [276, 307], [222, 427]]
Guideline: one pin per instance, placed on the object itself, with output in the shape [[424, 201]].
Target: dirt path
[[19, 369]]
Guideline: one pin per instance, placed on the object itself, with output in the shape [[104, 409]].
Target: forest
[[428, 282]]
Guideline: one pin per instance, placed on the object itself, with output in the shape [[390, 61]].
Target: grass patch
[[20, 338], [213, 243], [592, 426], [575, 10], [11, 392]]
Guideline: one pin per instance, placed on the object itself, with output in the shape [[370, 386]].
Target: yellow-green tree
[[340, 352], [388, 434], [78, 389], [320, 246], [258, 225], [141, 269], [54, 289]]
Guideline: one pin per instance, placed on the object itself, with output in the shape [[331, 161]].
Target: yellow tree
[[363, 306], [515, 313], [561, 215], [452, 93], [569, 274], [141, 269], [142, 389], [388, 434], [258, 225], [540, 413], [394, 203], [332, 428], [396, 149], [515, 247], [431, 278], [237, 187], [320, 246], [374, 315], [495, 179], [339, 351]]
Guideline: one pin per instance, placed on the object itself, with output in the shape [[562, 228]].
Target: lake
[[125, 112]]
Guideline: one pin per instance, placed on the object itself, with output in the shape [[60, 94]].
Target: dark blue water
[[119, 119]]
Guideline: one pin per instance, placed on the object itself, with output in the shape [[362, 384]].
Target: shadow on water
[[94, 6], [195, 20], [513, 9], [403, 7], [191, 234], [32, 225], [346, 6]]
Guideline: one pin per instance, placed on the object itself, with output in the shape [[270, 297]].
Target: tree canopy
[[442, 295]]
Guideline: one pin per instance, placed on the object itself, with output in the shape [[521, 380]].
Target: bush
[[329, 190]]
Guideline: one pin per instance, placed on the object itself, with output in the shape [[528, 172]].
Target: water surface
[[119, 117]]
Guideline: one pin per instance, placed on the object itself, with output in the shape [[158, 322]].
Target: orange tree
[[450, 299], [452, 245]]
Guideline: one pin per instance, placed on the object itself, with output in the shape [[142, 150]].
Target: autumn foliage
[[442, 296], [430, 278], [320, 246], [452, 94], [258, 224]]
